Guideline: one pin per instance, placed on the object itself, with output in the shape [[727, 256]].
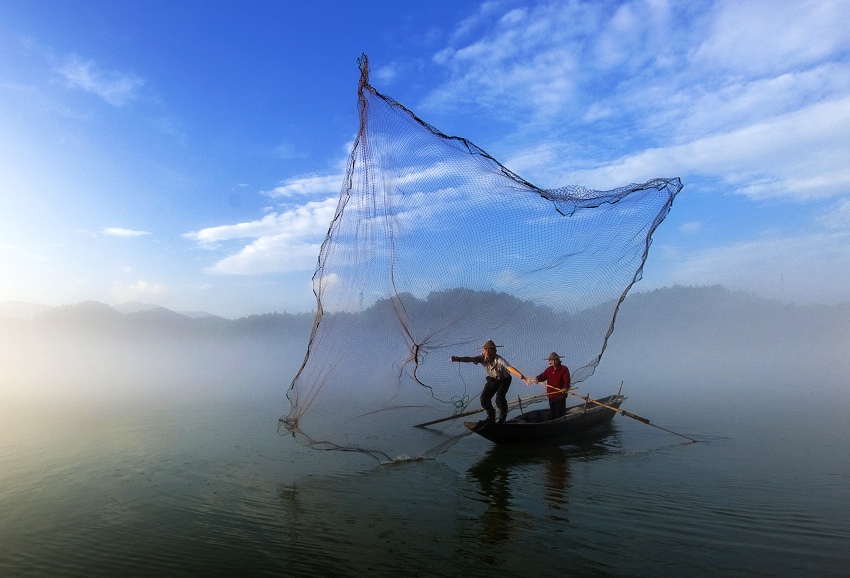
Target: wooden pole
[[527, 401], [628, 414], [451, 417]]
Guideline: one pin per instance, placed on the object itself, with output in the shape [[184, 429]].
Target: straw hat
[[489, 344], [553, 355]]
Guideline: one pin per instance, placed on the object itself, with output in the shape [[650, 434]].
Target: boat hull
[[536, 427]]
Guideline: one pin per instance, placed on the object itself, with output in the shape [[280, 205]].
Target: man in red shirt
[[557, 377]]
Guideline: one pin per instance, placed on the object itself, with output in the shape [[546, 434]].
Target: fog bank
[[697, 343]]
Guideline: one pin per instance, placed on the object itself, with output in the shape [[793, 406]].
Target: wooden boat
[[537, 427]]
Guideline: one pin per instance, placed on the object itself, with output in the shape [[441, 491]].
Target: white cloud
[[303, 221], [536, 63], [761, 37], [119, 232], [287, 241], [526, 61], [654, 86], [544, 159], [635, 33], [270, 254], [469, 24], [287, 151], [386, 74], [115, 88], [740, 101], [800, 155], [308, 185], [330, 279], [136, 291]]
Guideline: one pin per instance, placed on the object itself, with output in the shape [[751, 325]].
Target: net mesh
[[434, 248]]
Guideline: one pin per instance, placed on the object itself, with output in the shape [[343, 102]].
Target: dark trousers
[[558, 407], [499, 388]]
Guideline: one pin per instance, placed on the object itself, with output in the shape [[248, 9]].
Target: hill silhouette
[[723, 342], [706, 338]]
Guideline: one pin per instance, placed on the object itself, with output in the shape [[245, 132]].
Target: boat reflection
[[507, 475]]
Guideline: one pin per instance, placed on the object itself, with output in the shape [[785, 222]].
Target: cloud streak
[[138, 290], [800, 156], [114, 87], [282, 241], [307, 186], [119, 232], [743, 93], [774, 36]]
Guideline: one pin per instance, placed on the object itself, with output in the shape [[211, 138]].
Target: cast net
[[436, 247]]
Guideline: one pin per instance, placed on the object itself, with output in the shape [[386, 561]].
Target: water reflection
[[556, 481], [508, 470], [385, 521]]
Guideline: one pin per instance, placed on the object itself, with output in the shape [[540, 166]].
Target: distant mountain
[[706, 339], [717, 311], [142, 320], [198, 314], [21, 310], [85, 314], [710, 318], [712, 335], [24, 310], [134, 307]]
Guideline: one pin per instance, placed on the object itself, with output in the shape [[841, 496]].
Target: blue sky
[[190, 154]]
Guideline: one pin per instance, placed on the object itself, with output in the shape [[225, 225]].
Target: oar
[[474, 411], [451, 417], [628, 414]]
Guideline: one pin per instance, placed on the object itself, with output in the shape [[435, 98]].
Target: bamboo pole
[[527, 401], [451, 417], [586, 398]]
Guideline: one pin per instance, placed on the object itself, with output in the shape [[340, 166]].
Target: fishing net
[[436, 247]]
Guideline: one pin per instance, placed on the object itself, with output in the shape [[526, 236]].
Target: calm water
[[194, 488]]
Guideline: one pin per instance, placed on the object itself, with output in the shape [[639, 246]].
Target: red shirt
[[557, 378]]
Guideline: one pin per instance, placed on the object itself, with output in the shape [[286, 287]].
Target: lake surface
[[200, 487]]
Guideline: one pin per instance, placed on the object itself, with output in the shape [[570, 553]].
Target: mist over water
[[89, 353], [710, 341], [148, 443], [680, 351], [700, 342]]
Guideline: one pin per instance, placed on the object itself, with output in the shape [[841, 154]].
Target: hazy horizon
[[23, 309], [716, 341]]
